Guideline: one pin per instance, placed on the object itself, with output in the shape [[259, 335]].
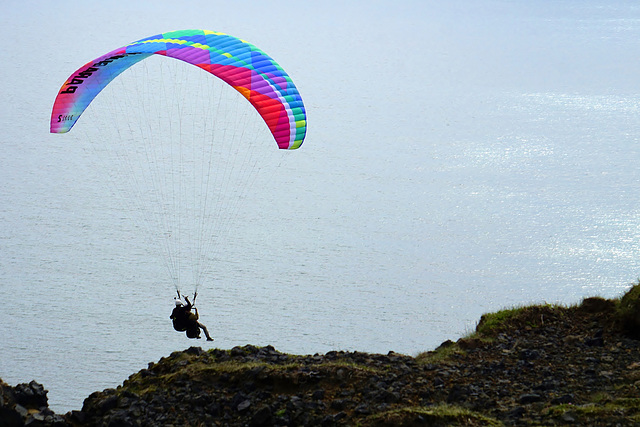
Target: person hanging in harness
[[184, 320]]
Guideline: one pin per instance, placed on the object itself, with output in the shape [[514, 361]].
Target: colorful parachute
[[240, 64]]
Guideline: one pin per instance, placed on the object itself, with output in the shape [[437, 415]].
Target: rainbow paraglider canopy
[[246, 68]]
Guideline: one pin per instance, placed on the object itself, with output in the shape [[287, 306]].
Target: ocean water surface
[[460, 158]]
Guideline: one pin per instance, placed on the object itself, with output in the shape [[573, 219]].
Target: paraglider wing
[[240, 64]]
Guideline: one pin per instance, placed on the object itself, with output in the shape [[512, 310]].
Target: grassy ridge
[[531, 365]]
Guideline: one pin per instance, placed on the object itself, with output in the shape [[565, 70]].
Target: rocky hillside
[[538, 365]]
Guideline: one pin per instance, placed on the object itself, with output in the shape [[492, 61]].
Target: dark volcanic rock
[[27, 405], [541, 365], [32, 395]]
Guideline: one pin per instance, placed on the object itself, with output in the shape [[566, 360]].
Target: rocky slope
[[539, 365]]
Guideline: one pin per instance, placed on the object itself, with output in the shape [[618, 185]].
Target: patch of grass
[[234, 367], [597, 305], [490, 323], [628, 311], [439, 415], [629, 408], [600, 397], [350, 365], [442, 354], [533, 316], [139, 388]]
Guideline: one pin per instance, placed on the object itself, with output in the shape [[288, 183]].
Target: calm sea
[[461, 157]]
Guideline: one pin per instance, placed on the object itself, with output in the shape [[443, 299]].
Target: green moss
[[602, 407], [600, 397], [439, 415], [350, 365]]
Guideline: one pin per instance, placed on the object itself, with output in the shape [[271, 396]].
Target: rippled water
[[460, 158]]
